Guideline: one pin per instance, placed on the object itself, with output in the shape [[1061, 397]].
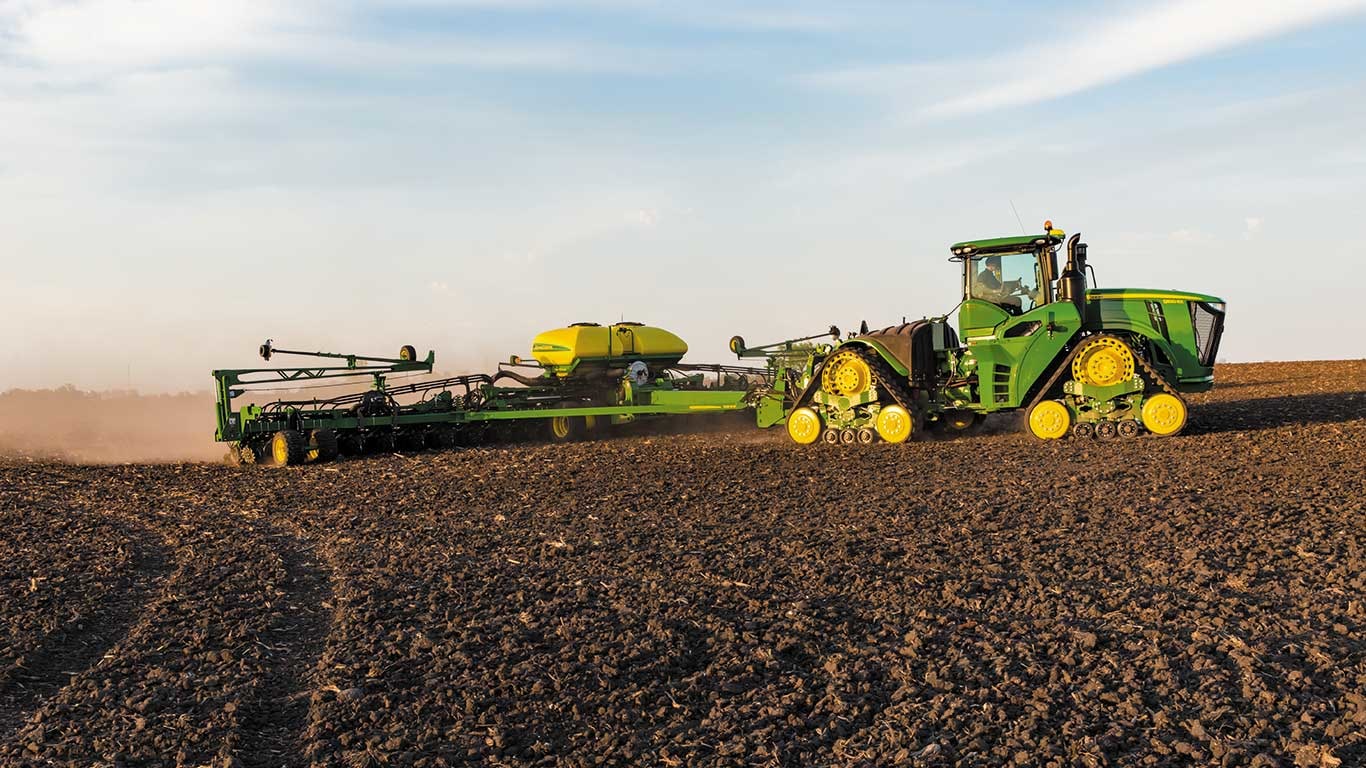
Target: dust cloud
[[107, 427]]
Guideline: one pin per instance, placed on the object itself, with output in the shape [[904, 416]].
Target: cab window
[[1008, 280]]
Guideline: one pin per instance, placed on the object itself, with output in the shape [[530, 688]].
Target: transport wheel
[[803, 426], [865, 436], [322, 445], [846, 374], [1049, 420], [287, 447], [1103, 362], [1128, 428], [831, 436], [848, 437], [1083, 430], [407, 352], [894, 424], [564, 429], [1106, 430], [1164, 414]]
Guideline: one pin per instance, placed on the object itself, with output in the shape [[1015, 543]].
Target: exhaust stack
[[1072, 281]]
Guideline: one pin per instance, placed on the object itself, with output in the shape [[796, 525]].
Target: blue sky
[[180, 179]]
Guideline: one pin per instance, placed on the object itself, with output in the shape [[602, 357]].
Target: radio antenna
[[1017, 218]]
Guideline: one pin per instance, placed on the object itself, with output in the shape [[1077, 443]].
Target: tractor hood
[[1150, 294]]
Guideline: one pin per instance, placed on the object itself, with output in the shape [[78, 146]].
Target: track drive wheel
[[1049, 420], [1164, 414], [322, 445], [804, 426], [894, 424], [287, 447], [846, 374], [1103, 361]]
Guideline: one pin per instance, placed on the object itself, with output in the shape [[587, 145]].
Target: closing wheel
[[287, 447], [803, 426], [894, 424], [1049, 420], [1103, 362], [846, 374], [1164, 414]]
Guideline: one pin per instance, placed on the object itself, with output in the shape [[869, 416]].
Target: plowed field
[[711, 599]]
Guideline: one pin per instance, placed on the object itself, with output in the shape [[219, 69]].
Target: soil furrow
[[82, 643], [271, 733]]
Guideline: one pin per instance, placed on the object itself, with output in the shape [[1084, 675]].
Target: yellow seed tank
[[589, 346]]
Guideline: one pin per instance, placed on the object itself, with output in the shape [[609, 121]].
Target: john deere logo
[[541, 346]]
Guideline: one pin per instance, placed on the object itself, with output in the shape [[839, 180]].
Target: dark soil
[[711, 599]]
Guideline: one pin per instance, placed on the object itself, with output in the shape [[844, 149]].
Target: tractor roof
[[1007, 244]]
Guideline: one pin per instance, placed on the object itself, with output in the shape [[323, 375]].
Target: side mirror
[[1053, 263]]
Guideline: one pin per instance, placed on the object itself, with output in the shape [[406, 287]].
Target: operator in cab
[[989, 286]]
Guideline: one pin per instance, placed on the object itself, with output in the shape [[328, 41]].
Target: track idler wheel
[[1049, 420], [894, 424], [804, 426], [323, 445], [1164, 414], [287, 448]]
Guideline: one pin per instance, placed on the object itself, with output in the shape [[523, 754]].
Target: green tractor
[[1079, 361]]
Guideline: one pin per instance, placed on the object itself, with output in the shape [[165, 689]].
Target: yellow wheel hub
[[559, 427], [1164, 414], [846, 375], [1103, 362], [279, 449], [894, 424], [804, 426], [1050, 420]]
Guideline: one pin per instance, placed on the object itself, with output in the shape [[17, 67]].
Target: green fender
[[881, 350]]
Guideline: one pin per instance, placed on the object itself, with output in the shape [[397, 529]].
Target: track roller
[[1083, 430], [1106, 430], [831, 436], [287, 447], [1129, 428], [848, 436], [866, 436]]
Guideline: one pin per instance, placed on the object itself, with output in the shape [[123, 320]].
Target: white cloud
[[1252, 227], [1146, 39]]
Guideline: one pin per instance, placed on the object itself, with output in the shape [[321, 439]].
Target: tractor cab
[[1016, 315], [1004, 278]]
